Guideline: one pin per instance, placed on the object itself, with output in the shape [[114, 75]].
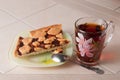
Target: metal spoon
[[62, 58]]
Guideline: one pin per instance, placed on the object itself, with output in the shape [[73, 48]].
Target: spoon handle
[[95, 69]]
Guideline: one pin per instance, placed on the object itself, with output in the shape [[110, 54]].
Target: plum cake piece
[[42, 40]]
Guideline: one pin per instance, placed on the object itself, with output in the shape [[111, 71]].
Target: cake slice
[[42, 40]]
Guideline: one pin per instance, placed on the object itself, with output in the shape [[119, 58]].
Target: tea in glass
[[90, 39]]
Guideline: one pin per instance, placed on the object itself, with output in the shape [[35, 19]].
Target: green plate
[[41, 60]]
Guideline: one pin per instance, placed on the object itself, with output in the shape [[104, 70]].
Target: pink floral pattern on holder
[[86, 47]]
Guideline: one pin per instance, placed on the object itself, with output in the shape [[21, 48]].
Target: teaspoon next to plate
[[59, 57]]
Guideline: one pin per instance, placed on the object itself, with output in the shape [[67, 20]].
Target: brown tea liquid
[[96, 32], [91, 30]]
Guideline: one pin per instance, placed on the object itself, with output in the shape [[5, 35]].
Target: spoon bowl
[[60, 57]]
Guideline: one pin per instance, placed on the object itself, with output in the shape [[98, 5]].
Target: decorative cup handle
[[109, 32]]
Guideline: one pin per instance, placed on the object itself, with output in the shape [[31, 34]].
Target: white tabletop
[[21, 15]]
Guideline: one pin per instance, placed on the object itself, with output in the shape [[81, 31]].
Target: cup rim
[[91, 32]]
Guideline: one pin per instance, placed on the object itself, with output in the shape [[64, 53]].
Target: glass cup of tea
[[91, 37]]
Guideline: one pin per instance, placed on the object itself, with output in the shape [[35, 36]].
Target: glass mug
[[91, 37]]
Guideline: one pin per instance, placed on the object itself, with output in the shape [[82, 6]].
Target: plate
[[40, 60]]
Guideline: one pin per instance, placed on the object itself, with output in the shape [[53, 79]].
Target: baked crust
[[42, 40], [52, 30]]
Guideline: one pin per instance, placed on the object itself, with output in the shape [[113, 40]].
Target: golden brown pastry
[[42, 40]]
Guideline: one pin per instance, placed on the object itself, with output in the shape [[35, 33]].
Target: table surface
[[21, 15]]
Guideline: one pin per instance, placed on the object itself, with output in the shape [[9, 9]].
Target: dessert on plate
[[42, 40]]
